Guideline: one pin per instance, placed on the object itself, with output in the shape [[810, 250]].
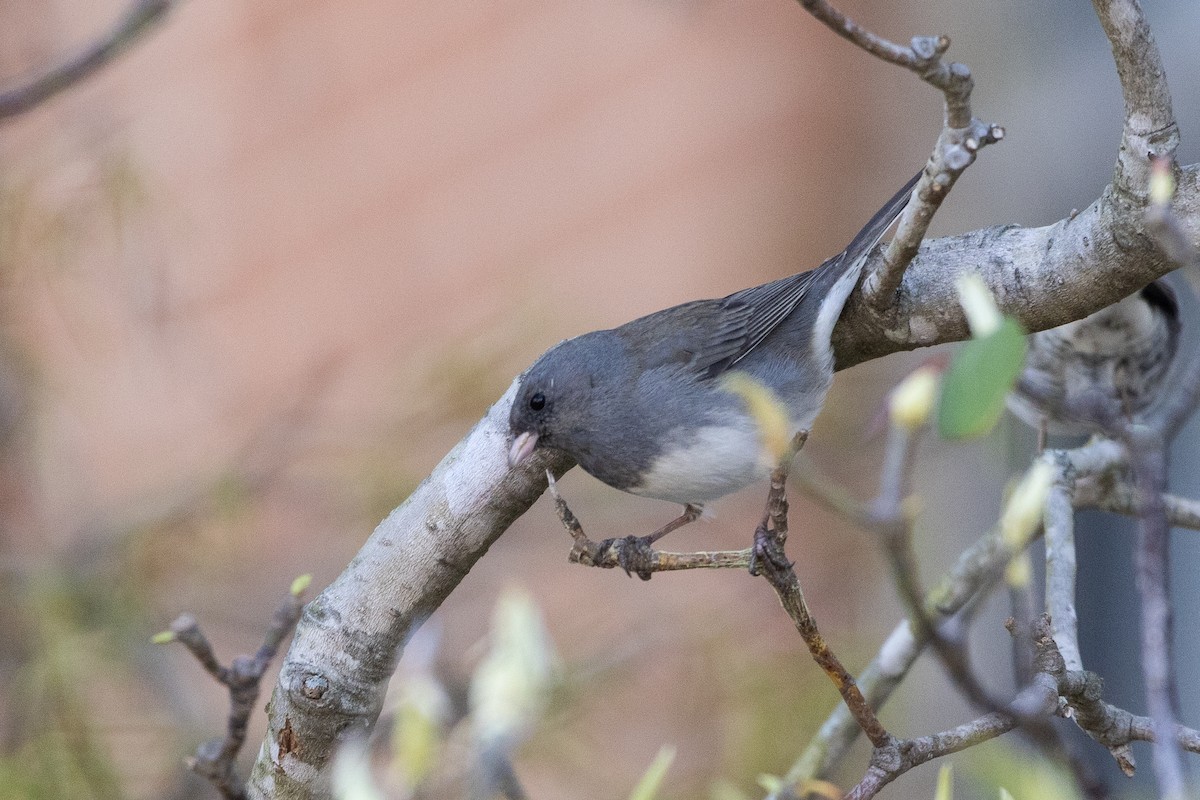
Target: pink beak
[[522, 446]]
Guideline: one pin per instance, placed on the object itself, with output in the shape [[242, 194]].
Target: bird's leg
[[635, 554], [691, 513]]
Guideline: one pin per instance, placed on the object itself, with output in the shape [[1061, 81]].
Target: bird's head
[[554, 401]]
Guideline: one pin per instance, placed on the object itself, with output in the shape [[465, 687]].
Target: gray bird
[[1113, 361], [643, 408]]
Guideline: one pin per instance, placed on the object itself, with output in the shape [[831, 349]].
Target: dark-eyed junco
[[646, 408], [1115, 360]]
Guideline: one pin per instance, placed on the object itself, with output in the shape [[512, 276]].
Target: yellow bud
[[814, 787], [978, 304], [163, 637], [912, 401], [1023, 512], [300, 585], [766, 409], [511, 686]]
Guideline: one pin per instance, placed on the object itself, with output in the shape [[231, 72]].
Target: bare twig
[[1148, 460], [977, 570], [961, 138], [894, 527], [771, 562], [138, 19], [1039, 698], [613, 553], [1058, 522], [765, 558], [215, 758], [1119, 498]]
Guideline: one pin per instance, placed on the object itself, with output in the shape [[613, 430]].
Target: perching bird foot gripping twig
[[634, 554]]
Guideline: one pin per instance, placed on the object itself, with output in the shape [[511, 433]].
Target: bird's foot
[[634, 554], [767, 554]]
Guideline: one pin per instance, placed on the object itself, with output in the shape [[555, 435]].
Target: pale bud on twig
[[421, 714], [351, 777], [1023, 512], [1019, 572], [983, 316], [911, 403]]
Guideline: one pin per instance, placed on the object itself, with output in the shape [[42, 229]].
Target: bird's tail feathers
[[846, 267]]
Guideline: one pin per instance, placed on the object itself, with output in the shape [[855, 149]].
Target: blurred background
[[260, 274]]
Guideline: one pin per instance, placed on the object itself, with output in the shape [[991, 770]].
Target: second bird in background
[[1115, 360]]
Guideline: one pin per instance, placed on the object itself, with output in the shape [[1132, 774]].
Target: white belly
[[715, 462]]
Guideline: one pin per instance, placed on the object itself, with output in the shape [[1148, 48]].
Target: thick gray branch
[[1043, 276], [332, 683]]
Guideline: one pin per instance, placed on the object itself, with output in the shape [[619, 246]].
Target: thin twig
[[1058, 523], [1119, 498], [138, 19], [215, 759], [976, 571], [771, 562], [894, 527], [960, 140], [609, 554], [1148, 460], [1039, 698]]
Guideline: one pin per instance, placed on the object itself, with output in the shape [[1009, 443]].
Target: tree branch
[[961, 138], [138, 19], [1092, 252], [1150, 130], [215, 758], [346, 645]]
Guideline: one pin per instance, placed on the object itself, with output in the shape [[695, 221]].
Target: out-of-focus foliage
[[1024, 776], [651, 782], [984, 368]]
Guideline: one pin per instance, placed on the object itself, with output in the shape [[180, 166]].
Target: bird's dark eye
[[537, 402]]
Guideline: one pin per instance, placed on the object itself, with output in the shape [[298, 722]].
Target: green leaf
[[647, 787], [981, 374]]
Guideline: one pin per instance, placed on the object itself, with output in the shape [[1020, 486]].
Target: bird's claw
[[767, 553], [634, 554]]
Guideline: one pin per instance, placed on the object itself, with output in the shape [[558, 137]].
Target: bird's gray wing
[[707, 337], [750, 315]]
